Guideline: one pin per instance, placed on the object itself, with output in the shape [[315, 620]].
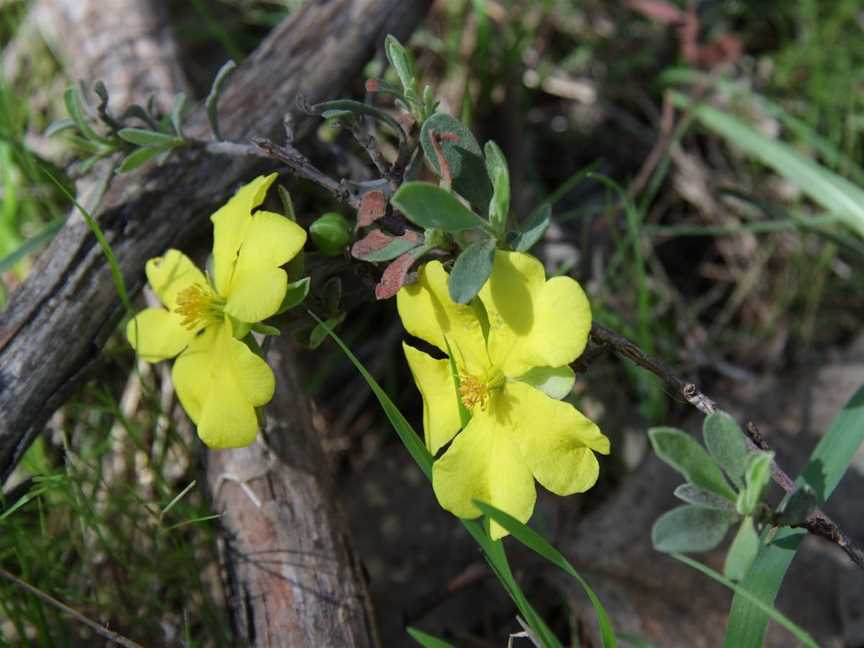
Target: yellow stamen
[[473, 392], [198, 305]]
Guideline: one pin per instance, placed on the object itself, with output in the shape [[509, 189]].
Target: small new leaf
[[212, 102], [471, 270], [401, 62], [294, 296], [177, 114], [431, 207], [756, 478], [533, 229], [688, 529], [499, 206], [689, 458]]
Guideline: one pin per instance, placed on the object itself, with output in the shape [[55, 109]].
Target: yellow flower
[[218, 379], [518, 337]]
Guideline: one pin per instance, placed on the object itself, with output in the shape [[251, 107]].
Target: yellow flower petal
[[258, 286], [484, 463], [170, 274], [555, 439], [533, 322], [220, 382], [230, 223], [440, 401], [428, 313], [157, 334]]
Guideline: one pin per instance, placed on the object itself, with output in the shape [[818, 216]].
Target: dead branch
[[816, 523]]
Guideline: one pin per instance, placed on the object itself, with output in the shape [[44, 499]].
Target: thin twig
[[816, 522], [99, 629], [302, 167]]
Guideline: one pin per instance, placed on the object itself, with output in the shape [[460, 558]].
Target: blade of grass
[[427, 640], [800, 634], [537, 543], [828, 463], [831, 191], [116, 274]]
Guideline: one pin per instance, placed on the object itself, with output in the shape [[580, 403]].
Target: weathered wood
[[58, 320], [292, 580]]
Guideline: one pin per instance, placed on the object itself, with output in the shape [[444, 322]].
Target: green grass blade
[[827, 465], [403, 428], [427, 640], [31, 245], [800, 634], [537, 543], [831, 191], [116, 274]]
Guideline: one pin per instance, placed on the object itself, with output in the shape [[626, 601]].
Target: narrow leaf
[[137, 158], [537, 543], [431, 207], [212, 102], [471, 270], [358, 109], [427, 640], [400, 60], [74, 105], [177, 114], [295, 295], [149, 138], [377, 246], [757, 477], [499, 206]]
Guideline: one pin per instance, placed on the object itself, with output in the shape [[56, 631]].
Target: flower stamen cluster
[[199, 306]]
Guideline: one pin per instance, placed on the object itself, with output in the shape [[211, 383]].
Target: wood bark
[[291, 577], [58, 320]]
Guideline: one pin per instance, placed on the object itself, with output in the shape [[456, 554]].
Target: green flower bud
[[331, 233]]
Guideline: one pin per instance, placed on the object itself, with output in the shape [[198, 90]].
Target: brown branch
[[816, 522]]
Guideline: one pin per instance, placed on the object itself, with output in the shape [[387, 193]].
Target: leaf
[[700, 497], [377, 246], [400, 60], [295, 295], [743, 550], [726, 443], [177, 114], [373, 205], [265, 329], [463, 157], [212, 102], [341, 107], [690, 529], [496, 167], [287, 203], [149, 138], [555, 382], [686, 456], [137, 158], [427, 640], [431, 207], [748, 617], [757, 477], [533, 229], [537, 543], [743, 593], [331, 294], [831, 191], [59, 126], [74, 105], [394, 275], [471, 270]]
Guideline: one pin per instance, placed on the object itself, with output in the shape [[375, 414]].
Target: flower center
[[476, 391], [199, 306]]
